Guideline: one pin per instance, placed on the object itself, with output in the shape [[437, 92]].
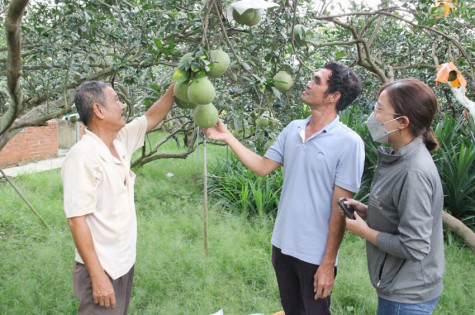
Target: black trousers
[[295, 279]]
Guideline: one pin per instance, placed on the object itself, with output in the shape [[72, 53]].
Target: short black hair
[[87, 94], [344, 81]]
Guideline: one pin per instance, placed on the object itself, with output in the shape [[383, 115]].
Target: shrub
[[455, 162], [242, 191]]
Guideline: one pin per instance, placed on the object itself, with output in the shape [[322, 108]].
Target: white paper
[[220, 312]]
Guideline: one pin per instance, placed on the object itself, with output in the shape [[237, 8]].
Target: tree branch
[[14, 63]]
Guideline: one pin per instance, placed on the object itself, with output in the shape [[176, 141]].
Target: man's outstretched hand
[[218, 132]]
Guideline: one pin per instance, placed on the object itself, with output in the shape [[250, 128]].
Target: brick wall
[[31, 143]]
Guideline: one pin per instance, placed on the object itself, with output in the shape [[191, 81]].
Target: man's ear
[[335, 96], [98, 110]]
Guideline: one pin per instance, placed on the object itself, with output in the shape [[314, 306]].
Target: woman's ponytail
[[430, 140]]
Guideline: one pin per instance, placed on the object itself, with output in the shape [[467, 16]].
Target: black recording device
[[347, 209]]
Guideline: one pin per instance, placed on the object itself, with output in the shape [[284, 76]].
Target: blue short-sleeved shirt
[[333, 156]]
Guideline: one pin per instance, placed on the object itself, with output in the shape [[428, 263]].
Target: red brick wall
[[31, 143]]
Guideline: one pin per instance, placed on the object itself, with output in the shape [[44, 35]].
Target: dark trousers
[[83, 289], [295, 279]]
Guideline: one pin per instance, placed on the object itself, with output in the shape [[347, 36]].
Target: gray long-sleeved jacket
[[405, 205]]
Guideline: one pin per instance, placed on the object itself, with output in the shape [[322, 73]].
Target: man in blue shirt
[[323, 162]]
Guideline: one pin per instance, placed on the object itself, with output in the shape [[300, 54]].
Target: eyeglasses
[[378, 110]]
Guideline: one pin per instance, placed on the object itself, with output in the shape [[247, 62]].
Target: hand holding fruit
[[218, 132]]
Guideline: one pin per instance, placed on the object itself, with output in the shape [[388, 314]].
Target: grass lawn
[[173, 274]]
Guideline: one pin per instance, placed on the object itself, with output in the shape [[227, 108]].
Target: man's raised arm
[[160, 108]]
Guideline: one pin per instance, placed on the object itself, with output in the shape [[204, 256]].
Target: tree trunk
[[460, 229]]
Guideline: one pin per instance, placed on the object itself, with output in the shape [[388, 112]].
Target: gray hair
[[87, 94]]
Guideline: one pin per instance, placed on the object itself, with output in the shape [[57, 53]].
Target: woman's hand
[[357, 226], [361, 208], [360, 228]]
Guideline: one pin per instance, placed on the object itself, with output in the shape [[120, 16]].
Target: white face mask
[[378, 130]]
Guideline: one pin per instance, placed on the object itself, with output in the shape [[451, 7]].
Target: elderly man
[[99, 197], [323, 162]]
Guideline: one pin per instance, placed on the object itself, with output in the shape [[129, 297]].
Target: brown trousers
[[83, 290]]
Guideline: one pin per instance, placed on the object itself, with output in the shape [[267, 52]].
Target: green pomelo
[[181, 91], [205, 116], [452, 75], [283, 76], [201, 91], [299, 31], [220, 63], [245, 18], [256, 19], [184, 105], [299, 35], [273, 123], [263, 121]]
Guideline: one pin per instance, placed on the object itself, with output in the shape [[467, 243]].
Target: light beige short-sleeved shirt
[[101, 187]]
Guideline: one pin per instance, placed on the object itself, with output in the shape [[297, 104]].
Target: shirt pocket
[[398, 274]]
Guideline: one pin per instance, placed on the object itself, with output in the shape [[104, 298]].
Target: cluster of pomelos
[[194, 90]]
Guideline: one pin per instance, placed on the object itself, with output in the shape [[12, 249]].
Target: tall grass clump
[[455, 162], [242, 191]]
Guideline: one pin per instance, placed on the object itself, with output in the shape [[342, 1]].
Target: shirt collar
[[332, 124], [386, 154], [101, 147]]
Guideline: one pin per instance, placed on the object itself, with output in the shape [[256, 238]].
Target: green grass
[[173, 274]]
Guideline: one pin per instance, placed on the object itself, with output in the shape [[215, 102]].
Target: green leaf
[[158, 43], [155, 87], [276, 92], [246, 66], [199, 75]]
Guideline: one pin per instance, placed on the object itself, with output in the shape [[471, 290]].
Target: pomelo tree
[[49, 48]]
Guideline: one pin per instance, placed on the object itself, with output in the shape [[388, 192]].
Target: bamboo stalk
[[205, 197], [24, 199]]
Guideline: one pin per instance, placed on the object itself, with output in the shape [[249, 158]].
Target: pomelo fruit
[[283, 86], [205, 116], [220, 63], [257, 18], [249, 17], [181, 91], [201, 91], [299, 35], [263, 121], [184, 105]]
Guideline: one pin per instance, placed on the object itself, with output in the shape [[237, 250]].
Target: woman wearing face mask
[[404, 236]]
